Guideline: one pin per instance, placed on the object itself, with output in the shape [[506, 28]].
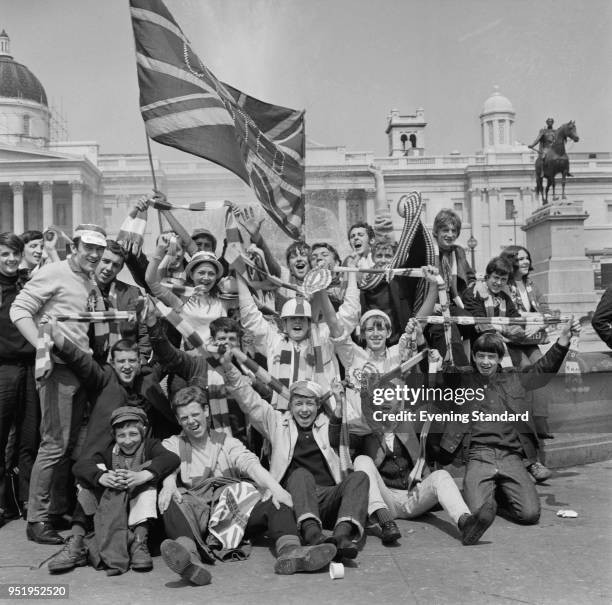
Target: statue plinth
[[556, 242]]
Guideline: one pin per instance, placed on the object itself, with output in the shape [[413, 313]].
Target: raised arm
[[153, 278], [252, 319]]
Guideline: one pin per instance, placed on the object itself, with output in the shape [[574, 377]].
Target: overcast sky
[[347, 62]]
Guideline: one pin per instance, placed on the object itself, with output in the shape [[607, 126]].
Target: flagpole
[[159, 215]]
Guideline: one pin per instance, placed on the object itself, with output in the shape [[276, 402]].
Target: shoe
[[345, 547], [304, 558], [473, 526], [181, 556], [390, 532], [69, 557], [539, 472], [140, 557], [43, 533]]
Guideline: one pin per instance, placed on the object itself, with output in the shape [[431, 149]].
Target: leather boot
[[293, 559], [43, 533], [140, 557], [74, 554], [181, 556]]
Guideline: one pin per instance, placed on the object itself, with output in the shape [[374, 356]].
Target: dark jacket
[[161, 462], [13, 346], [602, 318], [508, 388], [129, 298], [106, 394]]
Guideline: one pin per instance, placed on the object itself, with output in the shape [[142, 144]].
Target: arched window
[[404, 139], [26, 125], [413, 141], [490, 130]]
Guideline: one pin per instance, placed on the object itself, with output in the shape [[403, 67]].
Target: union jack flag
[[184, 106]]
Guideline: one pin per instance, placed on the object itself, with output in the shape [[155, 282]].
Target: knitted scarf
[[410, 211], [44, 343], [131, 232]]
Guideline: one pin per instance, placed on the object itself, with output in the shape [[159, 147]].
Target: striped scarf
[[447, 264], [105, 334], [44, 343], [344, 449], [195, 341], [132, 230], [492, 302], [292, 363], [410, 211]]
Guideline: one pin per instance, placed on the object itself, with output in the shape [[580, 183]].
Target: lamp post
[[514, 215], [471, 244]]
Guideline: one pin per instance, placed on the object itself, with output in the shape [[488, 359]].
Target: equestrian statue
[[552, 158]]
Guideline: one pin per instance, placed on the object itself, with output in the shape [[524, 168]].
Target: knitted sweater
[[57, 289]]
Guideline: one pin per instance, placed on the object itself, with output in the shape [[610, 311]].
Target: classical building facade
[[47, 182]]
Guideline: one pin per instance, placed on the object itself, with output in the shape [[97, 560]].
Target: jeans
[[62, 402], [498, 473], [18, 406], [347, 501], [438, 487]]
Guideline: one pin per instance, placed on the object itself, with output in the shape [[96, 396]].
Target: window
[[608, 211], [26, 125], [502, 132], [413, 141], [458, 208], [511, 211], [490, 130], [424, 211]]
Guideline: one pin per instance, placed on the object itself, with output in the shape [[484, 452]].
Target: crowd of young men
[[271, 428]]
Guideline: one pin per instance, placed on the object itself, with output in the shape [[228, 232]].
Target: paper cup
[[336, 571]]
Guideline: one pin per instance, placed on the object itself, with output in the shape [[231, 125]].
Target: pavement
[[560, 561]]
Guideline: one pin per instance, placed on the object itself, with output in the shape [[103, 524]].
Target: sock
[[311, 532], [462, 519], [344, 529], [287, 543], [141, 532], [382, 515]]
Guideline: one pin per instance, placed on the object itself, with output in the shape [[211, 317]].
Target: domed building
[[497, 122], [42, 182], [25, 115]]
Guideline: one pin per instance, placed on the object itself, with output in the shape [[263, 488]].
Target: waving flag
[[184, 106]]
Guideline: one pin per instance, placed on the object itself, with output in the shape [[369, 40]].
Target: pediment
[[19, 154]]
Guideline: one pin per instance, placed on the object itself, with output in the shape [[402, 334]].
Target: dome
[[497, 103], [16, 80]]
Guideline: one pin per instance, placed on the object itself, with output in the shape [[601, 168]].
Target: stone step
[[572, 449]]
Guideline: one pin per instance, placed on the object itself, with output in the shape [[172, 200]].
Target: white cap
[[296, 307], [90, 234]]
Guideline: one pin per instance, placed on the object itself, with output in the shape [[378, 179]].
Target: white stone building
[[44, 181]]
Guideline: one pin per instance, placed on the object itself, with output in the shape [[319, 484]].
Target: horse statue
[[555, 161]]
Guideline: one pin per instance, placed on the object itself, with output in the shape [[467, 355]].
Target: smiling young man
[[18, 398], [120, 296], [302, 351], [303, 461], [59, 288], [361, 237], [501, 434], [209, 460]]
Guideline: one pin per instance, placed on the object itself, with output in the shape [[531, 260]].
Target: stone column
[[18, 211], [77, 203], [370, 206], [476, 222], [342, 211], [493, 221], [562, 272], [47, 203]]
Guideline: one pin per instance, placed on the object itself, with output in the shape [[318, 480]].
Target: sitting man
[[389, 453], [494, 448], [304, 462], [119, 488], [211, 460]]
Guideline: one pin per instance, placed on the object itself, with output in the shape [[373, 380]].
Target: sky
[[347, 62]]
